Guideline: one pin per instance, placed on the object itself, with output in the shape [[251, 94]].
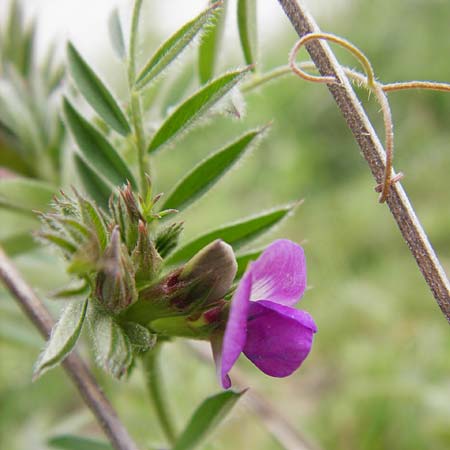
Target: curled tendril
[[337, 40], [370, 82]]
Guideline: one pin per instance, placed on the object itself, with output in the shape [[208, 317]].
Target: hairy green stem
[[135, 101], [155, 387], [259, 79], [133, 39], [139, 136]]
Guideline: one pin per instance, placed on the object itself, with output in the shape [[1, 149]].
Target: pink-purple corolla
[[262, 322]]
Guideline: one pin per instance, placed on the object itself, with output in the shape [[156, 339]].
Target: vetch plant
[[135, 284]]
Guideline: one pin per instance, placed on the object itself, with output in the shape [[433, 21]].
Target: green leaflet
[[170, 49], [93, 183], [92, 217], [235, 234], [246, 13], [61, 242], [112, 346], [64, 336], [25, 194], [140, 337], [116, 34], [14, 34], [194, 107], [209, 47], [26, 51], [208, 172], [95, 92], [206, 418], [167, 238], [97, 151], [71, 442]]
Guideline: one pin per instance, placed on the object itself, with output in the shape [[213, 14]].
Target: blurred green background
[[378, 375]]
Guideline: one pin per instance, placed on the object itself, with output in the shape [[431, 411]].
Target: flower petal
[[279, 274], [236, 329], [279, 337], [216, 347]]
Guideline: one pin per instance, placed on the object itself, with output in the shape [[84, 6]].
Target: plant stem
[[155, 387], [258, 80], [135, 101], [73, 364], [136, 115], [369, 143], [133, 39]]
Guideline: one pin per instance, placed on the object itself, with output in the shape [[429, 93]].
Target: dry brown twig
[[74, 366], [372, 149]]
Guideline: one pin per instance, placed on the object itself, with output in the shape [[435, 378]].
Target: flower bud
[[146, 259], [210, 272], [131, 204], [126, 214], [189, 290], [115, 286]]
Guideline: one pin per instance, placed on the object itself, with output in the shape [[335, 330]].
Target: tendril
[[371, 84], [337, 40], [368, 81]]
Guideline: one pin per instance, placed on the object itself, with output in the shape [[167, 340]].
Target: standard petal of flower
[[279, 337], [279, 274], [236, 328]]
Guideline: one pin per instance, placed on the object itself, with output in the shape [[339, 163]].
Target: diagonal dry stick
[[73, 364], [373, 152]]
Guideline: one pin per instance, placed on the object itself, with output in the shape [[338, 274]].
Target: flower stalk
[[153, 376], [135, 101]]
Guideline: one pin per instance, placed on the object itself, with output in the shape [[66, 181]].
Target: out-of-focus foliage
[[31, 131], [378, 373]]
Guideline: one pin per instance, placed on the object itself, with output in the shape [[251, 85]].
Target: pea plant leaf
[[236, 233], [71, 442], [206, 418], [25, 194], [116, 34], [12, 38], [94, 184], [97, 151], [195, 107], [93, 219], [209, 46], [63, 338], [112, 347], [246, 13], [208, 172], [95, 92], [170, 49]]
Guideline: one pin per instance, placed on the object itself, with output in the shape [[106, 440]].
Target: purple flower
[[262, 322]]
